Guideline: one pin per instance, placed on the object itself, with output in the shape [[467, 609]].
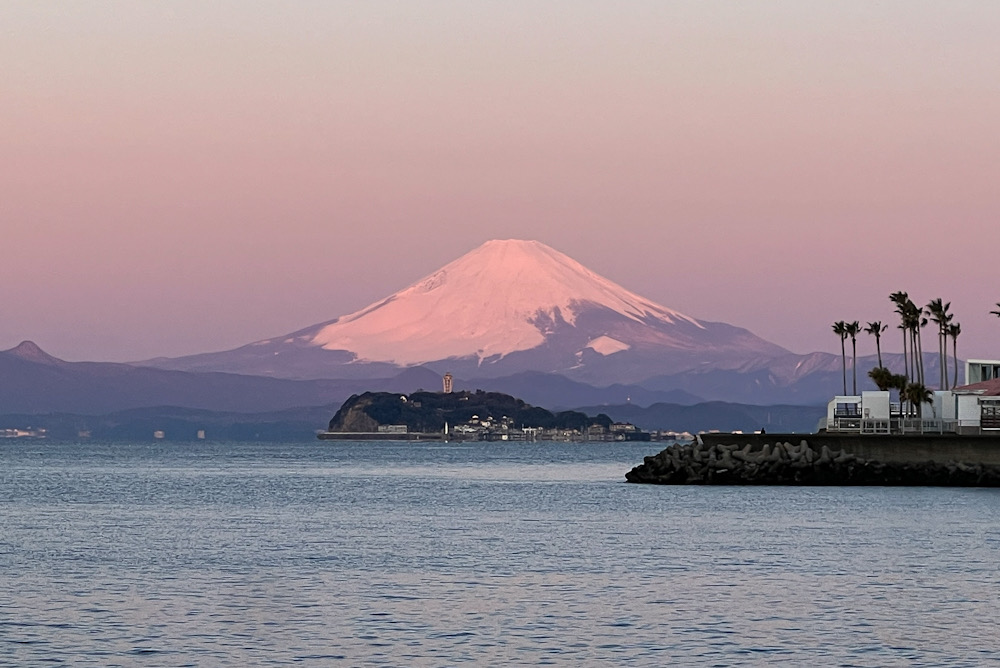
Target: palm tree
[[997, 312], [852, 329], [953, 331], [916, 322], [840, 329], [921, 323], [910, 322], [898, 382], [933, 309], [900, 299], [948, 317], [938, 311], [917, 394], [906, 357], [882, 377], [875, 329]]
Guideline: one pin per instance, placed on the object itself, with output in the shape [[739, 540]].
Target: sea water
[[487, 554]]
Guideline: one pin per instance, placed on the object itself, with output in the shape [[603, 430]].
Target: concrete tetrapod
[[786, 463]]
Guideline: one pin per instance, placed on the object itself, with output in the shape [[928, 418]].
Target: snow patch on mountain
[[503, 297], [605, 345]]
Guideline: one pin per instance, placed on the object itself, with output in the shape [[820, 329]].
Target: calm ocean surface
[[487, 554]]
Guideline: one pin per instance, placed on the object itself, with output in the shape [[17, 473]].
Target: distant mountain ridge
[[32, 382], [35, 382], [117, 401]]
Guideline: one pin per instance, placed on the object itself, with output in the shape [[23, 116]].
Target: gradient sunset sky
[[183, 177]]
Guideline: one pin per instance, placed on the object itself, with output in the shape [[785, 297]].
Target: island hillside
[[429, 411]]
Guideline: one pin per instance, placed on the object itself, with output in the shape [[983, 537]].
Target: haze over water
[[380, 554]]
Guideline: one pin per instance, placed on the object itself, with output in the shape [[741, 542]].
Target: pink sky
[[178, 177]]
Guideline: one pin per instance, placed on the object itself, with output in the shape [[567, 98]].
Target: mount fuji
[[506, 307]]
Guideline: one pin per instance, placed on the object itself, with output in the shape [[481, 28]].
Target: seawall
[[897, 449], [826, 459]]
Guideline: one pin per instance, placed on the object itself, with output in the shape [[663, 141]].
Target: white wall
[[968, 410], [944, 405], [875, 405]]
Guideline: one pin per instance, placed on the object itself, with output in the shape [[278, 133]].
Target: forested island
[[477, 415]]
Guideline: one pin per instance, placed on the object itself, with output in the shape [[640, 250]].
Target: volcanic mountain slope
[[503, 308]]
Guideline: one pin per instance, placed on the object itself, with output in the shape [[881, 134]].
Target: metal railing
[[870, 426], [927, 426], [892, 426]]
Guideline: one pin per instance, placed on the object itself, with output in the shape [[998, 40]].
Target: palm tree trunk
[[878, 349], [920, 355], [843, 362], [906, 365], [854, 365], [942, 355], [914, 369], [954, 349], [940, 365]]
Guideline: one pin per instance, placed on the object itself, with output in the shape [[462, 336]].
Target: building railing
[[844, 424], [870, 426], [892, 426]]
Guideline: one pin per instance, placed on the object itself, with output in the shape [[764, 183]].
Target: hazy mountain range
[[510, 316]]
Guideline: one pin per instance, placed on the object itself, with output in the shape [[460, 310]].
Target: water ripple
[[223, 555]]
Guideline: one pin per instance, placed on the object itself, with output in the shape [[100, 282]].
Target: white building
[[874, 413], [977, 371], [869, 412], [970, 409], [977, 407]]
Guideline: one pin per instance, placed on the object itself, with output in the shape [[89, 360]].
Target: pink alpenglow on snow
[[504, 308], [495, 300]]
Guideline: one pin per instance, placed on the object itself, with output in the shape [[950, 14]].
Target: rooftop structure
[[977, 371]]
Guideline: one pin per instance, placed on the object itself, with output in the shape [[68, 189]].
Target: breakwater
[[825, 459]]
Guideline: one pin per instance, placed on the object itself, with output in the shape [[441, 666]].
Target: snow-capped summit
[[505, 307], [503, 297]]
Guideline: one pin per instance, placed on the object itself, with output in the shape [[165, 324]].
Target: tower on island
[[447, 382]]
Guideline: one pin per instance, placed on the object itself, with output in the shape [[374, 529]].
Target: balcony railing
[[876, 426], [892, 426]]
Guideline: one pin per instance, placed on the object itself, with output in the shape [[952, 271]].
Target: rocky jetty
[[787, 463]]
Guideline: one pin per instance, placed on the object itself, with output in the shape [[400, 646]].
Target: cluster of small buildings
[[971, 409], [504, 429]]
